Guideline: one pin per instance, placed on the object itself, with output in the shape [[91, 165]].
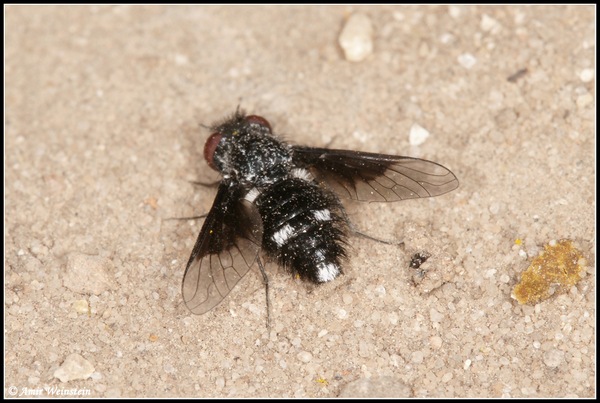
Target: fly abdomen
[[303, 228]]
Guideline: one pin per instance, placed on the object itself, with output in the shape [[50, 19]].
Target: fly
[[283, 200]]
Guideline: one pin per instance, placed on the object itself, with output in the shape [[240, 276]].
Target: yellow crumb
[[557, 268]]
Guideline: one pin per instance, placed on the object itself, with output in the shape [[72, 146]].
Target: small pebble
[[382, 387], [81, 306], [356, 38], [380, 291], [436, 342], [74, 367], [417, 135], [416, 357], [180, 59], [584, 100], [435, 316], [304, 356], [467, 60], [586, 75], [447, 377], [86, 274], [488, 24], [554, 358]]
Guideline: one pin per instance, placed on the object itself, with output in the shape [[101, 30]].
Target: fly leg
[[206, 184], [266, 282], [355, 231], [384, 241]]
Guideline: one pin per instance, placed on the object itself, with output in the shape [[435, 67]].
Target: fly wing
[[375, 177], [226, 248]]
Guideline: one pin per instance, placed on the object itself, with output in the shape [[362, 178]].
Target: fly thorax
[[260, 160]]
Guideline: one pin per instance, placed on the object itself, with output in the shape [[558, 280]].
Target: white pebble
[[398, 16], [467, 60], [490, 273], [584, 100], [86, 274], [436, 342], [554, 358], [435, 316], [81, 306], [417, 357], [356, 38], [446, 38], [417, 135], [180, 59], [488, 24], [586, 75], [494, 208], [304, 356], [74, 367], [454, 11], [386, 387]]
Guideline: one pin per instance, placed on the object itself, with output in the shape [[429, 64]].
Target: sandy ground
[[103, 115]]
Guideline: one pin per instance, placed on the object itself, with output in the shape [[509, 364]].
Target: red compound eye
[[210, 147], [258, 120]]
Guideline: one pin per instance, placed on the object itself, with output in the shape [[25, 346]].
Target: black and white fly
[[283, 199]]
